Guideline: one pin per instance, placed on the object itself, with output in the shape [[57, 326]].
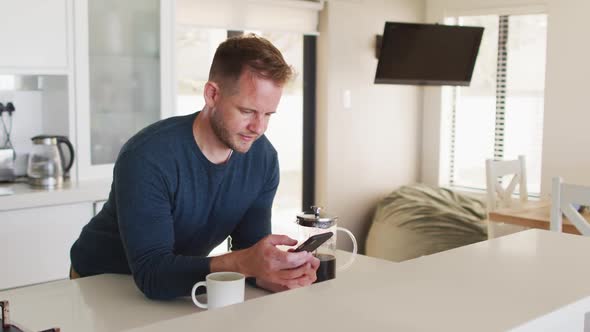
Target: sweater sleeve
[[144, 210], [256, 222]]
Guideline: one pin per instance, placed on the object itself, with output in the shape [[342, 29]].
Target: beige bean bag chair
[[421, 220]]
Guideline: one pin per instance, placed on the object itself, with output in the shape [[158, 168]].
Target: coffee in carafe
[[318, 222], [327, 269]]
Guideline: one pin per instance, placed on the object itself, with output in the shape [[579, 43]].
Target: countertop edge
[[25, 197]]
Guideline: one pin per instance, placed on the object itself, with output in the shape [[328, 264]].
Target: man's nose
[[257, 125]]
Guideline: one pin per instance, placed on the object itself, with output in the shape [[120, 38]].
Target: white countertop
[[25, 196], [495, 285], [106, 303], [573, 317]]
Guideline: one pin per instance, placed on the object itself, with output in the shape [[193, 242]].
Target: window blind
[[453, 137], [501, 88], [500, 115], [265, 15]]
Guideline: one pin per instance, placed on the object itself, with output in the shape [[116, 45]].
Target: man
[[179, 190]]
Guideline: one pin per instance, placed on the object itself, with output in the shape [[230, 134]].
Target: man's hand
[[273, 268]]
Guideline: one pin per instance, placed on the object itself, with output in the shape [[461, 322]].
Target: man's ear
[[211, 94]]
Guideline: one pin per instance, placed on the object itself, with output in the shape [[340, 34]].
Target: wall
[[371, 148], [41, 108], [26, 123], [567, 115], [566, 119]]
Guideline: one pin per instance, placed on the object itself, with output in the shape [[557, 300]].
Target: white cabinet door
[[122, 68], [34, 35], [36, 242]]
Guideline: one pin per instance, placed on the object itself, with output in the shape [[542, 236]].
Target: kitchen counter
[[495, 285], [104, 303], [24, 196], [39, 226], [112, 302]]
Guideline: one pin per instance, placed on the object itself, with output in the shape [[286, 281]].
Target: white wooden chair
[[563, 198], [501, 196]]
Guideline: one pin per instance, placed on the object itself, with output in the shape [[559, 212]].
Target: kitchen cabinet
[[34, 36], [123, 75], [36, 242]]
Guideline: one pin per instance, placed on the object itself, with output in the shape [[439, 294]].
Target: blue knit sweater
[[169, 206]]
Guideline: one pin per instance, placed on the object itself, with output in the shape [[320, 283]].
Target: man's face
[[240, 118]]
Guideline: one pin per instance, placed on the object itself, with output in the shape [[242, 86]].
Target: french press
[[318, 222]]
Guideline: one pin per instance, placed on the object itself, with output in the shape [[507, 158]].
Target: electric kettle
[[47, 165]]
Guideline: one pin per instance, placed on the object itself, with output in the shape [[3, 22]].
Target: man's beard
[[225, 136]]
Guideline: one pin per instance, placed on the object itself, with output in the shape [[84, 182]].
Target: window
[[284, 125], [500, 115]]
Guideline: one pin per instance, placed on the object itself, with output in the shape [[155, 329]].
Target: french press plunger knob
[[316, 210]]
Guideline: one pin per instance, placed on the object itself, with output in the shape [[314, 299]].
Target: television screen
[[427, 54]]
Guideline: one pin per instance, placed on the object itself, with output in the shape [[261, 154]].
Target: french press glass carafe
[[318, 222]]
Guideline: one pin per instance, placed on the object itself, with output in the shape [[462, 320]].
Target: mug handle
[[354, 249], [195, 287]]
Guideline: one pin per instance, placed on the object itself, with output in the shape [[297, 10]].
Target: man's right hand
[[270, 264]]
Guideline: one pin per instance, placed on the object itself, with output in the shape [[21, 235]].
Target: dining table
[[532, 214], [500, 284]]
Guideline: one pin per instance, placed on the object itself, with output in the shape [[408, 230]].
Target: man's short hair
[[248, 52]]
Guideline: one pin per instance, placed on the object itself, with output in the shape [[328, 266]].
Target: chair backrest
[[563, 198], [497, 194]]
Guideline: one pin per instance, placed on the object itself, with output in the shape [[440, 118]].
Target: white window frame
[[434, 168]]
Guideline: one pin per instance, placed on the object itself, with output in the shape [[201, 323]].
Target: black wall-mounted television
[[427, 54]]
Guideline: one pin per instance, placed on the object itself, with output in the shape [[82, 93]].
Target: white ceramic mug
[[223, 288]]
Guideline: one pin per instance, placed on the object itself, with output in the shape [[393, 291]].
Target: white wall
[[566, 136], [372, 148], [39, 110], [566, 144], [27, 120]]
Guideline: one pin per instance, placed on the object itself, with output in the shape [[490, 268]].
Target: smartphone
[[314, 242]]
